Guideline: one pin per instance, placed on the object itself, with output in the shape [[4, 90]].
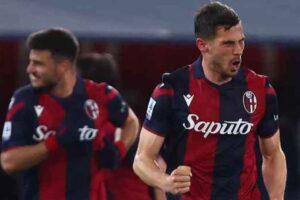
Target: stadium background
[[148, 38]]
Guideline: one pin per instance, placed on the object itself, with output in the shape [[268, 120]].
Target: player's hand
[[111, 155], [63, 138], [179, 181]]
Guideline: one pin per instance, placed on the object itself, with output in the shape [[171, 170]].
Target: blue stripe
[[176, 141], [30, 184], [30, 178], [79, 155], [78, 176], [230, 148]]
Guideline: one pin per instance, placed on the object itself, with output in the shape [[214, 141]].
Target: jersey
[[35, 115], [213, 129], [122, 183]]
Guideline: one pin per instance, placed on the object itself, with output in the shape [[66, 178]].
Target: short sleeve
[[117, 107], [158, 115], [18, 125], [270, 122]]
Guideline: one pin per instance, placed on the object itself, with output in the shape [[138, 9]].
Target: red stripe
[[14, 109], [200, 152], [248, 180], [121, 147], [113, 93], [52, 177], [135, 188], [52, 172], [51, 144], [271, 91]]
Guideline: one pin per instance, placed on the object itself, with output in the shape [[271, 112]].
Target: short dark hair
[[99, 68], [211, 16], [59, 41]]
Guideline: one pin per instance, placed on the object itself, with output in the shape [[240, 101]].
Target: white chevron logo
[[188, 99], [38, 110]]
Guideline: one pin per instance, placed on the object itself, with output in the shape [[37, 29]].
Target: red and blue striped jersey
[[70, 173], [213, 129]]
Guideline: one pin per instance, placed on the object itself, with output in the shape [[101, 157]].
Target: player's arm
[[274, 163], [23, 157], [129, 130], [274, 166], [158, 193], [16, 153], [121, 116], [157, 125], [146, 168]]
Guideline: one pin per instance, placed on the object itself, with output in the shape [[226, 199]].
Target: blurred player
[[121, 182], [55, 128], [208, 115]]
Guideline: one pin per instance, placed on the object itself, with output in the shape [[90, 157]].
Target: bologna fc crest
[[250, 102], [91, 109]]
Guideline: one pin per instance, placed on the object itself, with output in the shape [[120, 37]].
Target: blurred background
[[148, 38]]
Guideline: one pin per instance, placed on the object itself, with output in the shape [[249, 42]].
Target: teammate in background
[[99, 68], [121, 182], [207, 117], [55, 127]]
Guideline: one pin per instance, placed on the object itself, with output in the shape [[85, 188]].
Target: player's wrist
[[163, 182]]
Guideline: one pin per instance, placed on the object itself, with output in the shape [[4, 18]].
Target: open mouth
[[32, 77], [236, 63]]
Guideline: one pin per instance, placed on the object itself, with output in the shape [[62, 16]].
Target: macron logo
[[188, 99], [38, 110]]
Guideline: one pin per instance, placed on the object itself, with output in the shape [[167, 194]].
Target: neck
[[213, 75], [66, 84]]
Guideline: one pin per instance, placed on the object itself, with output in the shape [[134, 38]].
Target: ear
[[201, 45]]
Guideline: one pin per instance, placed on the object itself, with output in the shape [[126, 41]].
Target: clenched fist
[[179, 181]]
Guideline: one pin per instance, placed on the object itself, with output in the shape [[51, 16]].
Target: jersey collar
[[197, 70]]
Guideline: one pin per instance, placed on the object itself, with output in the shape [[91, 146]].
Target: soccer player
[[55, 127], [207, 117], [120, 180]]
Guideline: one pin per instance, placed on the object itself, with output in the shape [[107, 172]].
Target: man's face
[[42, 69], [224, 51]]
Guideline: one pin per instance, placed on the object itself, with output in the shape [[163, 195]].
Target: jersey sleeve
[[270, 122], [117, 107], [158, 115], [18, 123]]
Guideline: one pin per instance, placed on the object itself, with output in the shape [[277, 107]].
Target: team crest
[[91, 109], [250, 102]]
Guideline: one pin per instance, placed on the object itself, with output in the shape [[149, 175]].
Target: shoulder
[[255, 78], [101, 90], [91, 85], [21, 101], [178, 75], [25, 93], [171, 81], [95, 88]]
